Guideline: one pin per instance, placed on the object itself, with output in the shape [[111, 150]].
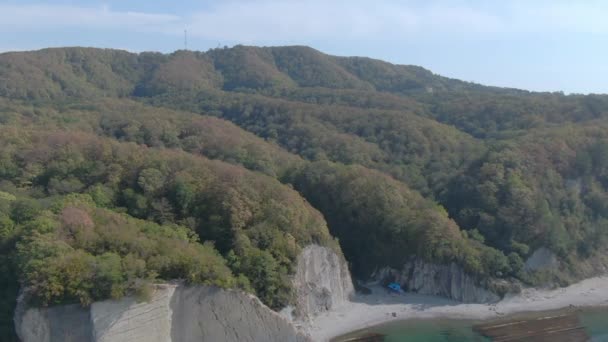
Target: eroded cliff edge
[[175, 313], [180, 313], [322, 281], [449, 281]]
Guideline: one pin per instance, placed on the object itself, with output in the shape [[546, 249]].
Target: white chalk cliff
[[449, 281], [179, 313], [542, 259], [322, 281], [175, 313]]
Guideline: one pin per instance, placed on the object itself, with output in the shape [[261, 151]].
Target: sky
[[538, 45]]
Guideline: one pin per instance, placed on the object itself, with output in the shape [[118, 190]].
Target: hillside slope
[[253, 153]]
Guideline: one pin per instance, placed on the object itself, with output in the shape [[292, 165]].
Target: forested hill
[[119, 169]]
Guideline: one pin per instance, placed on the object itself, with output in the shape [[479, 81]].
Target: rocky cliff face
[[176, 313], [542, 259], [440, 280], [69, 323], [322, 281]]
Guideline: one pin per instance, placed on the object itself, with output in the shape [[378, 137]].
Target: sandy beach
[[380, 307]]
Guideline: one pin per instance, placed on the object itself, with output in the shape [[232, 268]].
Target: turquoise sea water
[[596, 324], [595, 321]]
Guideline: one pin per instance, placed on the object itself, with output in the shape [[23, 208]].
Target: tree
[[150, 180], [23, 210]]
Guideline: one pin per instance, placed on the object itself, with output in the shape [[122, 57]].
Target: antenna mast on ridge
[[185, 39]]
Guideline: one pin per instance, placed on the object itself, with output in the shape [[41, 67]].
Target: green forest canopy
[[243, 156]]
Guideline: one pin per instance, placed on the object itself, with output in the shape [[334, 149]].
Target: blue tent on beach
[[395, 287]]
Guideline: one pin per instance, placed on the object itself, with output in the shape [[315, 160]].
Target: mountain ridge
[[348, 65]]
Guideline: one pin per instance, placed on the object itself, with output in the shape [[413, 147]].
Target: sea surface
[[594, 321]]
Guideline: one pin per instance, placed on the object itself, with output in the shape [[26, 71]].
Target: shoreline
[[379, 307]]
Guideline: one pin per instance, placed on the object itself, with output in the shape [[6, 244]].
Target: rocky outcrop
[[68, 323], [176, 313], [223, 316], [322, 281], [128, 320], [542, 260], [439, 280]]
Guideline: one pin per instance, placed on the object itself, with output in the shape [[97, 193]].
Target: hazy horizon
[[540, 46]]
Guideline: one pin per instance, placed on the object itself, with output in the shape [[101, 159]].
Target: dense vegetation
[[120, 170]]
